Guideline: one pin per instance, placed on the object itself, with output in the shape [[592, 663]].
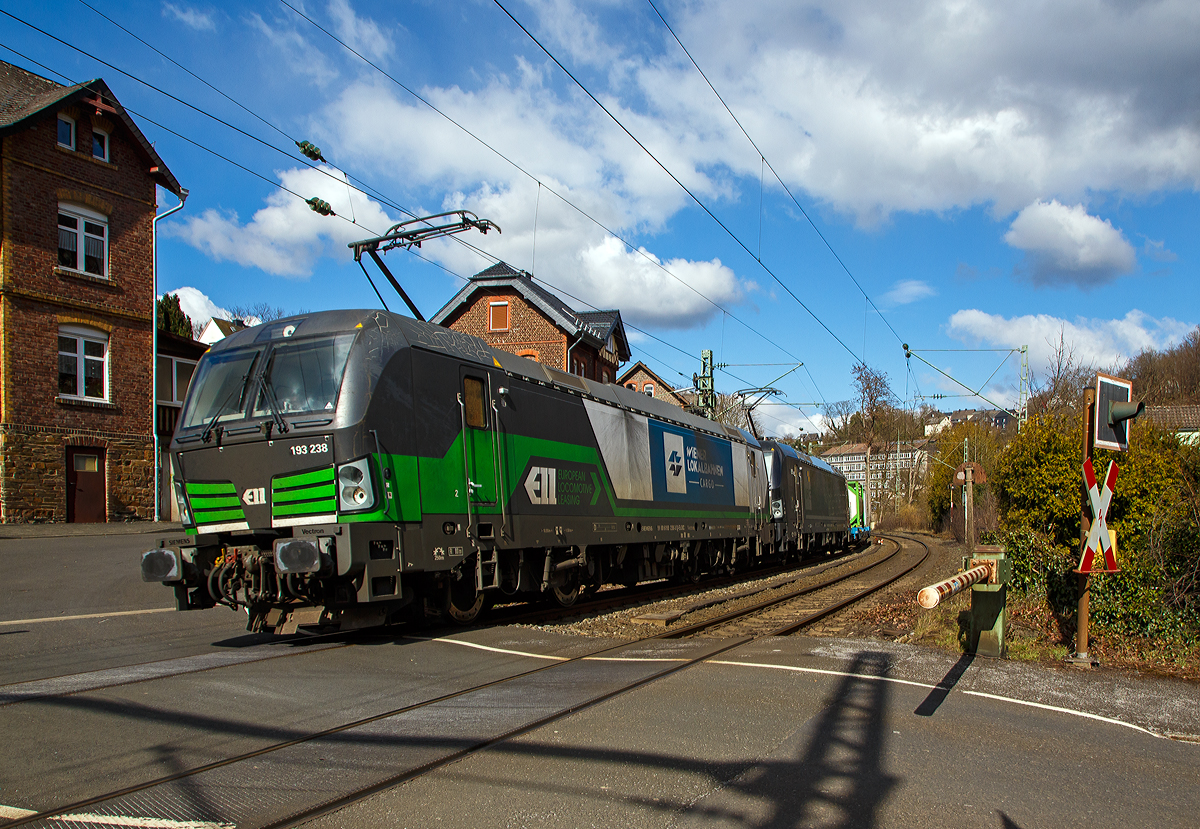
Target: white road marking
[[75, 683], [139, 822], [467, 644], [12, 622], [633, 659], [819, 671], [995, 697], [12, 812], [1064, 711]]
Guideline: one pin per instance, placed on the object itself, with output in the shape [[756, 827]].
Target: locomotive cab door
[[479, 450]]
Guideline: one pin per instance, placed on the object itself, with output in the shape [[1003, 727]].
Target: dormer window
[[498, 316], [66, 131], [100, 145]]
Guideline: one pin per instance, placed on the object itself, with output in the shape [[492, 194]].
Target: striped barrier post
[[929, 597]]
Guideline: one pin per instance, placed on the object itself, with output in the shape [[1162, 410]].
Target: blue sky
[[992, 175]]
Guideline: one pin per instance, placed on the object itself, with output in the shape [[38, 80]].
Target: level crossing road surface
[[798, 731]]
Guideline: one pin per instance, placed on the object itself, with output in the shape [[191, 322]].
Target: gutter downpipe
[[183, 194], [578, 340]]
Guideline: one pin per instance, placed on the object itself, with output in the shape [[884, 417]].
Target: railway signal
[[1108, 408]]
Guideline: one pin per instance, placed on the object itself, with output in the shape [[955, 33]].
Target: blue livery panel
[[690, 468]]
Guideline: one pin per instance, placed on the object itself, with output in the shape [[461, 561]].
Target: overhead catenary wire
[[782, 183], [344, 179], [629, 245], [737, 240]]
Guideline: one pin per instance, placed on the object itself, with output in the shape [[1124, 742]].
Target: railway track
[[291, 781]]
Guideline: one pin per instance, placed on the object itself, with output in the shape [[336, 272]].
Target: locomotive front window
[[305, 375], [219, 391]]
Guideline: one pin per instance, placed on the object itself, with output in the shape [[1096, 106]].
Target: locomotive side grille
[[304, 498], [215, 505]]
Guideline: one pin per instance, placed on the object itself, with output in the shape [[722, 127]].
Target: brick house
[[508, 310], [640, 378], [77, 202]]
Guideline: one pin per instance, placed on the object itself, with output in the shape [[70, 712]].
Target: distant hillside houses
[[937, 422]]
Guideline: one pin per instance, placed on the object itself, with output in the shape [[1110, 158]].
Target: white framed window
[[66, 131], [82, 240], [173, 376], [631, 386], [100, 144], [498, 316], [648, 389], [82, 363]]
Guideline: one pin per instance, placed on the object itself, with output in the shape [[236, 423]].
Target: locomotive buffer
[[411, 234]]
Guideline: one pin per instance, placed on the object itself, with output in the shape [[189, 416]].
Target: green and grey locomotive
[[354, 467]]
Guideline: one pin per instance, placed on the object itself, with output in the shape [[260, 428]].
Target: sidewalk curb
[[9, 532]]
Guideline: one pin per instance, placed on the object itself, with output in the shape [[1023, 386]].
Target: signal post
[[1107, 410]]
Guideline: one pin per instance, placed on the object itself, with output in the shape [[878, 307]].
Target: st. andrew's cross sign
[[1098, 540]]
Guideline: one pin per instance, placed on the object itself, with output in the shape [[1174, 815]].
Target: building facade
[[640, 378], [898, 470], [77, 201], [508, 310]]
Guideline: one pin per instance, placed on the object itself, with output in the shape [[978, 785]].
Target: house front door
[[85, 485]]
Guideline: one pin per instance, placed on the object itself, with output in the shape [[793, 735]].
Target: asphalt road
[[790, 732]]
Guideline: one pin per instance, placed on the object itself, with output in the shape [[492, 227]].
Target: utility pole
[[706, 398], [1023, 393]]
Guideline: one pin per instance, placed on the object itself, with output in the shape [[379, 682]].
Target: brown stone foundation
[[33, 484]]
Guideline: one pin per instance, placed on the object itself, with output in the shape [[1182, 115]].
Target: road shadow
[[830, 773], [946, 684]]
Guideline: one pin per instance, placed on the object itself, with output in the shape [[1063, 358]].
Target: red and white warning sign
[[1098, 539]]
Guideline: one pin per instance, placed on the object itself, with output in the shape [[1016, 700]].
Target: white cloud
[[286, 237], [199, 308], [909, 290], [300, 56], [1100, 342], [362, 34], [1157, 250], [1068, 245], [190, 17]]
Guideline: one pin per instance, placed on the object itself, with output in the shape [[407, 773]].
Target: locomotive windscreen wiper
[[267, 390], [240, 387]]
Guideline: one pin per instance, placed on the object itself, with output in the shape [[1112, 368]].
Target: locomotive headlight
[[185, 514], [161, 565], [297, 555], [355, 491], [777, 509]]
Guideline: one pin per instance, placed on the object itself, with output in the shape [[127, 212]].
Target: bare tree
[[255, 314], [873, 393], [1066, 378], [839, 415]]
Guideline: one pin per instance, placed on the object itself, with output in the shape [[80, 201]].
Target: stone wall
[[33, 485]]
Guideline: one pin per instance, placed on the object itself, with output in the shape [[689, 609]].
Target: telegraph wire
[[286, 189], [684, 187], [778, 178], [633, 248], [371, 282]]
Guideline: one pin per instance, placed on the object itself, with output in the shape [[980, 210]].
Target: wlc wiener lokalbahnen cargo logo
[[673, 452]]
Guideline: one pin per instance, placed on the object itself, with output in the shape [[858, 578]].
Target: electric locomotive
[[354, 467]]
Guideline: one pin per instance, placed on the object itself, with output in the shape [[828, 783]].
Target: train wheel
[[567, 593], [462, 604]]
